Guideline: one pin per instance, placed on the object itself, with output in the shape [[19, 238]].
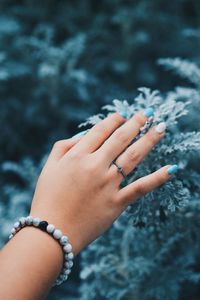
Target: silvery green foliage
[[17, 197], [149, 252], [182, 67], [147, 263]]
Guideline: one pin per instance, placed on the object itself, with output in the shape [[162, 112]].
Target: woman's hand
[[79, 187], [79, 192]]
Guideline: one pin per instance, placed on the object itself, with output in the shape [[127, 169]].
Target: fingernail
[[79, 134], [123, 114], [149, 112], [173, 169], [161, 127]]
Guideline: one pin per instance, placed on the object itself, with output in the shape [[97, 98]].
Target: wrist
[[66, 227], [57, 236], [37, 253]]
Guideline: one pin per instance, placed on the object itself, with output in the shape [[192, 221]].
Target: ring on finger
[[146, 126], [119, 169]]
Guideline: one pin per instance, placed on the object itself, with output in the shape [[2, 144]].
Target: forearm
[[32, 259]]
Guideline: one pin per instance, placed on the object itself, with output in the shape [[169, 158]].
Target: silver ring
[[119, 169], [147, 125]]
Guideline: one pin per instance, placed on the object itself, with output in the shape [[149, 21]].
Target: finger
[[99, 133], [135, 153], [123, 136], [61, 147], [145, 184]]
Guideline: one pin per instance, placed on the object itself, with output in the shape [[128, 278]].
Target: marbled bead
[[66, 264], [70, 262], [64, 277], [50, 228], [13, 231], [29, 220], [67, 248], [59, 281], [16, 225], [57, 234], [36, 221], [70, 255], [67, 271], [22, 221], [64, 240]]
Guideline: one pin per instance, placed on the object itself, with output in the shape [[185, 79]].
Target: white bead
[[16, 225], [63, 240], [36, 221], [58, 282], [62, 277], [29, 220], [70, 255], [10, 236], [68, 248], [67, 271], [13, 231], [67, 264], [70, 262], [22, 220], [50, 228], [65, 277], [57, 234]]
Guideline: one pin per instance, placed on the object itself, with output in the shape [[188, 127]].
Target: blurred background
[[60, 62]]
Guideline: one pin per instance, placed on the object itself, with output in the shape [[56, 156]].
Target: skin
[[79, 191]]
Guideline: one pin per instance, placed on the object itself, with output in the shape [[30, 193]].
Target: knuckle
[[101, 128], [121, 201], [114, 200], [139, 190], [121, 136], [58, 144], [132, 154], [73, 155], [90, 166]]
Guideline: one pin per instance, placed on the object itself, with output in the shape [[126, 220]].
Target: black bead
[[43, 225]]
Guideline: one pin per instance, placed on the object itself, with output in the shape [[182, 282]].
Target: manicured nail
[[173, 169], [123, 114], [80, 134], [161, 127], [149, 112]]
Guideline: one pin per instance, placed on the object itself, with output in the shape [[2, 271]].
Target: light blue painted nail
[[149, 112], [123, 114], [173, 169], [79, 134]]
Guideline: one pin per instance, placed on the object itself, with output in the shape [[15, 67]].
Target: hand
[[79, 187]]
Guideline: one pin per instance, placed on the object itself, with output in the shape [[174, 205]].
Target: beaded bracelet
[[57, 235]]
